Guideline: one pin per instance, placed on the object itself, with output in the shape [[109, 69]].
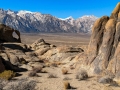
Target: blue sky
[[62, 8]]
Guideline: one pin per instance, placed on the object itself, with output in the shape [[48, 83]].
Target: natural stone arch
[[6, 34]]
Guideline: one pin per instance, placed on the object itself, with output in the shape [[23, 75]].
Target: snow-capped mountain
[[84, 23], [27, 21]]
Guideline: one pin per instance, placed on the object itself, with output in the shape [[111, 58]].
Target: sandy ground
[[57, 38], [45, 83]]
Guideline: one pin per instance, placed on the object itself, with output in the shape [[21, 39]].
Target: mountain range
[[33, 22]]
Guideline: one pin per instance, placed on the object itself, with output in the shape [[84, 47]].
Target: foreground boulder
[[6, 34]]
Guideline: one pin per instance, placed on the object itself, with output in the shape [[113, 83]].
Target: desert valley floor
[[57, 83], [57, 38]]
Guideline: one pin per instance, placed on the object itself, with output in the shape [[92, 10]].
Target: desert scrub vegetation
[[32, 74], [7, 74], [66, 78], [54, 64], [64, 70], [37, 69], [22, 84], [52, 75], [81, 75]]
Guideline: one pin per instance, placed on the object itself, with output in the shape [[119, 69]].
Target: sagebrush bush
[[32, 74], [7, 74], [52, 75], [54, 64], [66, 78], [22, 84], [82, 75], [37, 69]]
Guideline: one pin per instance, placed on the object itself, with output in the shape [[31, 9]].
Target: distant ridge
[[27, 21]]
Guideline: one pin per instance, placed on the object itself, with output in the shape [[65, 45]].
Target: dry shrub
[[22, 84], [82, 75], [64, 70], [72, 67], [37, 69], [7, 74], [66, 78], [52, 75], [32, 74], [54, 64]]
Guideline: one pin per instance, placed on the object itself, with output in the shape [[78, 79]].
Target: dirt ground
[[45, 83], [58, 38]]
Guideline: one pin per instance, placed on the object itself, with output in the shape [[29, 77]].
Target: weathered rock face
[[104, 47], [2, 68], [6, 34]]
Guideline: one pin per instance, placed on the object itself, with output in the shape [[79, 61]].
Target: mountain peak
[[24, 12], [27, 21], [68, 18], [88, 16]]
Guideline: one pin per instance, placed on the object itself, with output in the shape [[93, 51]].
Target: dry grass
[[7, 74], [22, 84], [52, 75], [37, 69], [32, 74]]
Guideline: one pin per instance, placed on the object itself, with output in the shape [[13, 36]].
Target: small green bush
[[7, 74]]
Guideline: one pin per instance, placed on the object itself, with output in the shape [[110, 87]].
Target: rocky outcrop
[[52, 53], [6, 34], [2, 68], [104, 47]]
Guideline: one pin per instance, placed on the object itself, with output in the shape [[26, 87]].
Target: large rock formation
[[104, 48], [6, 34]]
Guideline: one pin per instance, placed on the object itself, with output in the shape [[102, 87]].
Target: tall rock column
[[96, 38], [104, 47]]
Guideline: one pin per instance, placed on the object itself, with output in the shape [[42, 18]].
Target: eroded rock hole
[[15, 35]]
